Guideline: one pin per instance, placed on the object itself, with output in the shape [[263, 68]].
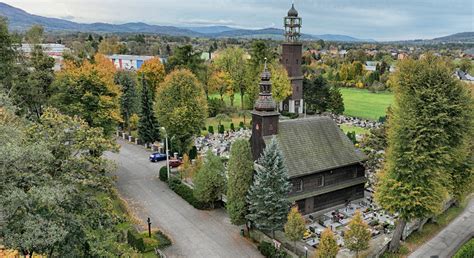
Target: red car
[[174, 163]]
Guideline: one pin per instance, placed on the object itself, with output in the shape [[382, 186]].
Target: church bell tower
[[291, 58], [264, 115]]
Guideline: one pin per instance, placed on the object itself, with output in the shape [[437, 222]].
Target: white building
[[131, 62], [55, 51]]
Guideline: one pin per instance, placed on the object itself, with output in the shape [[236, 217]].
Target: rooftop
[[312, 145]]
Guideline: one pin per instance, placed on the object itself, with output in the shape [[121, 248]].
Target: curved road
[[453, 236], [194, 233]]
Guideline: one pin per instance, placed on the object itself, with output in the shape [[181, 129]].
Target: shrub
[[268, 250], [186, 193], [173, 182], [163, 240], [215, 106], [135, 240], [163, 174], [467, 250], [150, 243], [221, 129], [211, 129], [352, 137], [241, 125], [232, 127], [193, 153]]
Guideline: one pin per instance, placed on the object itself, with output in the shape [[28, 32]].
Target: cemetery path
[[194, 233], [451, 238]]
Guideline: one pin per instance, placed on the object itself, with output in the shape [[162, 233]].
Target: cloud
[[377, 19]]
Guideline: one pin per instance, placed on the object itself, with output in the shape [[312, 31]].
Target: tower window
[[296, 61], [287, 61]]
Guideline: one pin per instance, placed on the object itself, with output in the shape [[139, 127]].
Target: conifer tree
[[129, 101], [209, 181], [427, 154], [295, 226], [268, 203], [148, 127], [357, 237], [335, 102], [327, 247], [240, 173]]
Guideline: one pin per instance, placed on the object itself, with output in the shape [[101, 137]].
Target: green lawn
[[349, 128], [364, 104]]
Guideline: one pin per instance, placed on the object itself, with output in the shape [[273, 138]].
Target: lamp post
[[167, 153], [306, 252]]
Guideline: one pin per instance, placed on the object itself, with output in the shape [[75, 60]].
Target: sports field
[[364, 104]]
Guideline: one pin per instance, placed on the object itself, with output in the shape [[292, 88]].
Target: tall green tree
[[295, 226], [328, 247], [267, 198], [35, 34], [316, 94], [33, 94], [181, 107], [335, 101], [52, 178], [357, 236], [209, 181], [232, 61], [129, 101], [185, 57], [259, 52], [430, 124], [240, 173], [148, 127], [7, 56]]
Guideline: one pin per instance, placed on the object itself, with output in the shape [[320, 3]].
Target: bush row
[[186, 193]]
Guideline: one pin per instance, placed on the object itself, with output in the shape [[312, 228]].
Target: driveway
[[194, 233], [451, 238]]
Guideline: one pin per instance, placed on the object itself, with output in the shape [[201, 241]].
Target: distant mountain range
[[458, 37], [20, 20]]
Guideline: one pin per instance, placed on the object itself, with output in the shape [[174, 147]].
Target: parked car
[[155, 157], [174, 163]]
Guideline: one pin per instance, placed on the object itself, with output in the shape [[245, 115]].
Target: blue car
[[155, 157]]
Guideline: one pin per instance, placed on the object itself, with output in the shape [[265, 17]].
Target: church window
[[297, 186]]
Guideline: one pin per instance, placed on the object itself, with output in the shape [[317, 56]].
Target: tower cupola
[[292, 25]]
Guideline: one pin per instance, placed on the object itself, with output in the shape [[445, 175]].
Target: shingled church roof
[[314, 145]]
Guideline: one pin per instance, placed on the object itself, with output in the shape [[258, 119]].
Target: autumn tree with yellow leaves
[[154, 73], [88, 90]]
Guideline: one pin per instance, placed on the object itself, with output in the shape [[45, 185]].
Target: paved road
[[448, 241], [194, 233]]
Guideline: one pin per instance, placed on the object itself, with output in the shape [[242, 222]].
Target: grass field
[[349, 128], [364, 104]]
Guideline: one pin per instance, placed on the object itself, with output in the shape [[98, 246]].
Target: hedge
[[241, 125], [186, 193], [164, 174], [232, 127], [466, 251], [211, 129], [135, 240]]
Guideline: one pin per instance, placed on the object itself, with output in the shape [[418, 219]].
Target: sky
[[369, 19]]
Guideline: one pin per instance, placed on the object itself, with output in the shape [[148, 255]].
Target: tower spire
[[265, 101]]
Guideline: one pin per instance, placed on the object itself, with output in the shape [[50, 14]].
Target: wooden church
[[325, 168]]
